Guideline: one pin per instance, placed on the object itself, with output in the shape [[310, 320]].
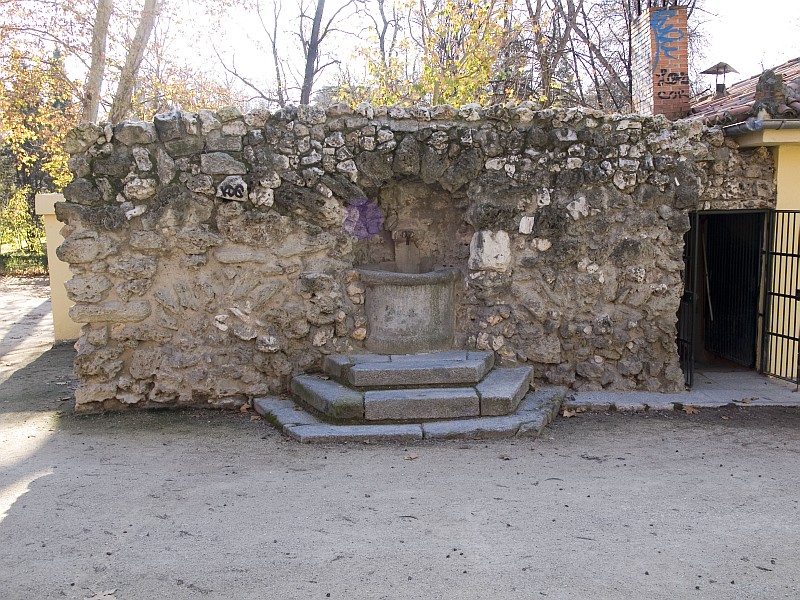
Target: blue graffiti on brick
[[666, 35], [363, 219]]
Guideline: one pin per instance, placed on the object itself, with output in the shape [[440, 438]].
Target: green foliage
[[21, 263], [20, 229], [36, 111]]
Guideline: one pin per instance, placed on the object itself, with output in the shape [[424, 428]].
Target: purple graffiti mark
[[363, 219], [666, 35], [666, 78]]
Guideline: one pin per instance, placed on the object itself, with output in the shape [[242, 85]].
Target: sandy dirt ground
[[200, 504]]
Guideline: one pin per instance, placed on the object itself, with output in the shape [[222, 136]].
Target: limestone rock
[[165, 167], [82, 191], [91, 288], [168, 125], [112, 312], [81, 138], [140, 189], [232, 187], [490, 251], [130, 133], [85, 247], [219, 163]]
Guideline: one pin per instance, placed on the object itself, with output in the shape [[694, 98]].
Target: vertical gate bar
[[763, 291], [783, 276], [794, 301], [781, 325], [787, 279], [694, 259], [765, 308], [790, 285]]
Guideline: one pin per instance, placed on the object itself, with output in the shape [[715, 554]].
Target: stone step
[[502, 390], [438, 368], [329, 397], [421, 403]]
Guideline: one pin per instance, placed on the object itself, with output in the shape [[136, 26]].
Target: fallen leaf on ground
[[690, 410], [255, 418], [745, 400], [504, 457], [725, 418], [569, 413], [244, 408], [411, 457]]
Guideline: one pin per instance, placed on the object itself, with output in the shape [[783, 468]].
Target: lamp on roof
[[721, 68]]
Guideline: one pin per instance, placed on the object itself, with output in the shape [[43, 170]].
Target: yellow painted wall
[[64, 328], [787, 163]]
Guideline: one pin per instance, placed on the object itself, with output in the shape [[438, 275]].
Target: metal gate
[[781, 339], [687, 305]]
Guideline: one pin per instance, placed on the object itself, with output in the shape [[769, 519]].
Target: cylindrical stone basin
[[409, 312]]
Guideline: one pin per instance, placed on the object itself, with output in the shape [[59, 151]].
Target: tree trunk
[[121, 106], [94, 82], [312, 53]]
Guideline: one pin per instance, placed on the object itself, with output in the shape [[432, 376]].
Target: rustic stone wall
[[213, 259]]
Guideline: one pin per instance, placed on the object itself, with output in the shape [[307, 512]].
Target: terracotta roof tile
[[737, 103]]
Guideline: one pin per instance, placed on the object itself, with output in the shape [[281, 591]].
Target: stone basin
[[409, 312]]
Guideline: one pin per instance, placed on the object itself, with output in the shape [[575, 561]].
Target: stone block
[[486, 427], [185, 146], [534, 426], [502, 390], [91, 288], [421, 403], [437, 356], [322, 434], [490, 251], [81, 138], [130, 133], [168, 125], [82, 191], [329, 397], [630, 401], [549, 398], [285, 412], [538, 409], [418, 373], [112, 312], [336, 365], [231, 255], [219, 163], [217, 142]]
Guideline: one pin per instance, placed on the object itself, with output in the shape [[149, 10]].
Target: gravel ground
[[202, 504]]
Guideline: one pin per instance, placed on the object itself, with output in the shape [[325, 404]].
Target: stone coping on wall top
[[522, 113]]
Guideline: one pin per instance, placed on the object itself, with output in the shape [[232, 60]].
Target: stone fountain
[[415, 371], [409, 310]]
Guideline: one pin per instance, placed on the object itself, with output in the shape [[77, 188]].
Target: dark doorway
[[719, 315], [732, 244]]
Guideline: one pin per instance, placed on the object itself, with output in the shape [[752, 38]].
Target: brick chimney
[[661, 63]]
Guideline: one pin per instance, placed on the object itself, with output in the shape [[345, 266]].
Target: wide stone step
[[421, 403], [329, 397], [438, 368], [502, 390]]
